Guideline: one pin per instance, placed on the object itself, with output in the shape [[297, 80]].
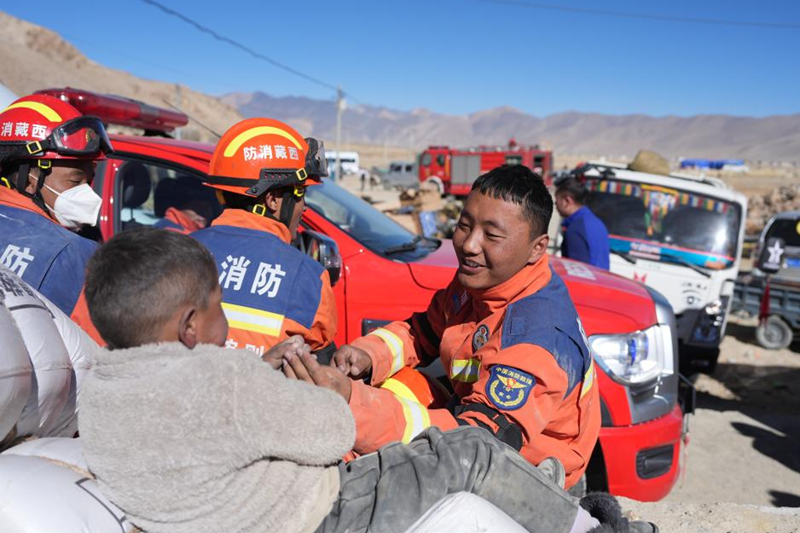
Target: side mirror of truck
[[322, 249], [771, 258]]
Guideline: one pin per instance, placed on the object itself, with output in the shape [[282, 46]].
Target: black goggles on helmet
[[316, 167], [316, 164], [79, 137]]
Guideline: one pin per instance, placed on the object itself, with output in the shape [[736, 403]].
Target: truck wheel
[[774, 333]]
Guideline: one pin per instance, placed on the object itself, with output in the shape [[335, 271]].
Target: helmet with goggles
[[39, 128], [258, 155], [261, 154]]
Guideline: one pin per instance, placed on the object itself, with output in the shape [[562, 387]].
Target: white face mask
[[76, 207]]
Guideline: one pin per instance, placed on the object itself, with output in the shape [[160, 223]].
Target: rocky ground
[[743, 461]]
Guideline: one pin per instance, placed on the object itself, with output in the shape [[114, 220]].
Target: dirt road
[[743, 460]]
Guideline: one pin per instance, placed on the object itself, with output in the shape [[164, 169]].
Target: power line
[[646, 16], [237, 44]]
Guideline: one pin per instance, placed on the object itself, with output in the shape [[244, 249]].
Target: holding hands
[[295, 356]]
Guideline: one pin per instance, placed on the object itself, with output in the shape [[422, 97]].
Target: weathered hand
[[275, 355], [303, 366], [352, 361]]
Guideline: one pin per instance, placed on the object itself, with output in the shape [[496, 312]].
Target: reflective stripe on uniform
[[465, 370], [588, 379], [255, 320], [399, 389], [417, 418], [395, 345]]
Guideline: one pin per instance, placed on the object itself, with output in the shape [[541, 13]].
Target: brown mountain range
[[32, 57]]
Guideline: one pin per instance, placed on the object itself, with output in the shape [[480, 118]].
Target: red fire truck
[[452, 170], [385, 273]]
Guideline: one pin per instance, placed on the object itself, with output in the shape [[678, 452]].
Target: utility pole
[[339, 110], [179, 105]]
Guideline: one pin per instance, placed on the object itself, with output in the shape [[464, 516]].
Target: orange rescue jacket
[[517, 359]]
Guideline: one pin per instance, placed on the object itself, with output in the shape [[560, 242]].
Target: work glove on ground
[[606, 509]]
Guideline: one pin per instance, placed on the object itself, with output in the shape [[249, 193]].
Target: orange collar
[[527, 281], [20, 201], [244, 219]]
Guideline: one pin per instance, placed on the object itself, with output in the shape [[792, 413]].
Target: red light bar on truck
[[121, 111]]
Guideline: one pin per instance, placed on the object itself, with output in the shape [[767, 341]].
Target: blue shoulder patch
[[548, 319], [508, 388]]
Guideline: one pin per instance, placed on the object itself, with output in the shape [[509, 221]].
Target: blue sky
[[458, 56]]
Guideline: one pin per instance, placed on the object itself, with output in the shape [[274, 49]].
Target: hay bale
[[650, 162]]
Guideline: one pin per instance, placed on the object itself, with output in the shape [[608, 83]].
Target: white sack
[[15, 371], [65, 450], [464, 512], [41, 497]]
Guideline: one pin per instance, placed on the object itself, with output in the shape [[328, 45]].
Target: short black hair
[[138, 280], [573, 188], [520, 185]]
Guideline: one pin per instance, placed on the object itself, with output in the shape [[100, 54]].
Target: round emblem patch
[[480, 338], [508, 388]]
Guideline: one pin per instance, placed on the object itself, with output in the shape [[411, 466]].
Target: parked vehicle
[[386, 273], [452, 170], [348, 160], [681, 235], [772, 291], [400, 175]]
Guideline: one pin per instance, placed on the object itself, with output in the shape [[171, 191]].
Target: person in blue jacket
[[585, 235]]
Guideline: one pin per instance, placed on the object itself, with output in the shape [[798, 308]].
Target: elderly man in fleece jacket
[[186, 436]]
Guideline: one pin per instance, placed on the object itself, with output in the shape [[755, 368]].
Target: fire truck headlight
[[634, 358]]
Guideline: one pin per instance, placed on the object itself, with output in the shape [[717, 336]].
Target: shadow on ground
[[784, 499]]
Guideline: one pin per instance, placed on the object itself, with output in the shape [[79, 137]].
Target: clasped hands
[[294, 356]]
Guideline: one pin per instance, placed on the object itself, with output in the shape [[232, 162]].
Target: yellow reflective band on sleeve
[[399, 389], [45, 110], [417, 418], [255, 320], [588, 379], [245, 136], [465, 370], [395, 345]]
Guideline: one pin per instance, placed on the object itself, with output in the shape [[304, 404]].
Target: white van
[[681, 235], [349, 161]]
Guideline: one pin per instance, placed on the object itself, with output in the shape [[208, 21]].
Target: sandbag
[[80, 347], [464, 512], [40, 496], [52, 370], [64, 450], [15, 372]]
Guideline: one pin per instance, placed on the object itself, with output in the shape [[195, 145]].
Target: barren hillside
[[32, 58]]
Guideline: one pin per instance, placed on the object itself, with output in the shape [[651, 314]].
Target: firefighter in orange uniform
[[507, 334], [48, 151], [270, 290]]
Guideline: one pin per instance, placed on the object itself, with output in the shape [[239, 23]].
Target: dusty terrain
[[743, 461]]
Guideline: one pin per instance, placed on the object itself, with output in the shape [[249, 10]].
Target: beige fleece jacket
[[211, 440]]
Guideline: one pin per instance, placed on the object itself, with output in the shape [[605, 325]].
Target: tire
[[774, 333]]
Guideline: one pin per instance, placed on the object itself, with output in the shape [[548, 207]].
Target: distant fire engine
[[453, 170]]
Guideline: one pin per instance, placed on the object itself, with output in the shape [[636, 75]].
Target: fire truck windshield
[[663, 223], [366, 224]]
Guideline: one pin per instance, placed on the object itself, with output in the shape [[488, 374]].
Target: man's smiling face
[[493, 241]]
